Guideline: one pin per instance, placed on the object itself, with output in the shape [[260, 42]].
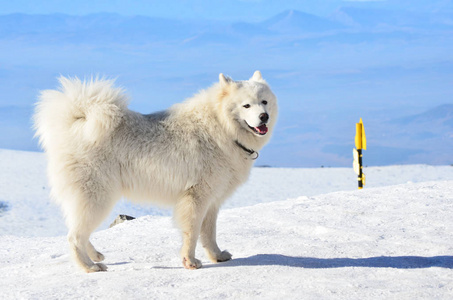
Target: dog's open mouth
[[261, 130]]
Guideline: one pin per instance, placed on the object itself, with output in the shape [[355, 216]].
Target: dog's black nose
[[264, 117]]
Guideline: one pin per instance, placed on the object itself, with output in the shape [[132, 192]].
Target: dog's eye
[[247, 106], [264, 102]]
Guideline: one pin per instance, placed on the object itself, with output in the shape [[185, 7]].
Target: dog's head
[[249, 106]]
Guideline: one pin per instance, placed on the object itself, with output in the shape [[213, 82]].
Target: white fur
[[186, 156]]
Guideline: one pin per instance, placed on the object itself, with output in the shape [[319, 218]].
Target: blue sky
[[232, 10], [378, 61]]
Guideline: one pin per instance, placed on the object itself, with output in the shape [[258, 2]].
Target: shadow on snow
[[397, 262]]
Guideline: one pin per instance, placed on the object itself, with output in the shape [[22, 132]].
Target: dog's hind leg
[[94, 254], [79, 243], [208, 237], [85, 215]]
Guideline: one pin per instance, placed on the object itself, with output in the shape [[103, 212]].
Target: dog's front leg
[[208, 237], [189, 213]]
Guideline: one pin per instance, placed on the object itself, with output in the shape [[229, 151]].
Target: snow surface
[[293, 233]]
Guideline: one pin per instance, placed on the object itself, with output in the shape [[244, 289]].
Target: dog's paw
[[191, 264], [97, 268], [224, 256]]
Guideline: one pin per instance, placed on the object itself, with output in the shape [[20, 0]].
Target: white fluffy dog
[[192, 156]]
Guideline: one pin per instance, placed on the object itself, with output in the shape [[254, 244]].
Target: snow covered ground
[[293, 233]]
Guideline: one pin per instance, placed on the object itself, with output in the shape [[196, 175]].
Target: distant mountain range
[[390, 19], [391, 67], [441, 116], [59, 27]]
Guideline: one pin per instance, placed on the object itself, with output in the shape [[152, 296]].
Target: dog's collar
[[249, 151]]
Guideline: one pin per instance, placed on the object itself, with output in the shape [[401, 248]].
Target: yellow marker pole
[[360, 144]]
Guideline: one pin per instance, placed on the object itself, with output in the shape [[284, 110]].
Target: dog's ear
[[224, 81], [257, 77]]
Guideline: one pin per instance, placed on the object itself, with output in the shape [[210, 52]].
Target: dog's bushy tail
[[82, 111]]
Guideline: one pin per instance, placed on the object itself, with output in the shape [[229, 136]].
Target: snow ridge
[[379, 242]]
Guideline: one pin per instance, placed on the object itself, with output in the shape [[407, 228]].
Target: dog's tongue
[[261, 129]]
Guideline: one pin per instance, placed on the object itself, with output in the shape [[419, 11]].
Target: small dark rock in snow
[[3, 207], [121, 219]]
